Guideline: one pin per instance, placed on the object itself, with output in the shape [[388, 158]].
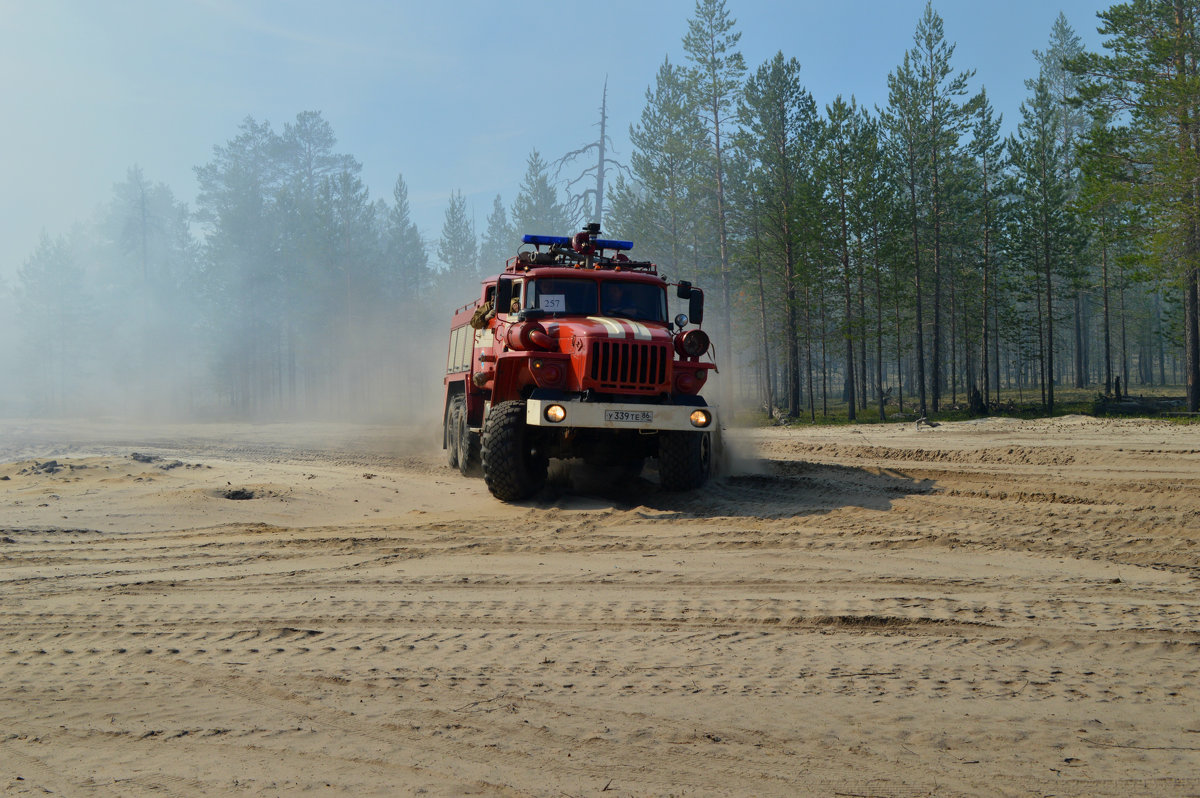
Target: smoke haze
[[178, 314]]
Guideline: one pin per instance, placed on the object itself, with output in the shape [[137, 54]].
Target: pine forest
[[861, 263]]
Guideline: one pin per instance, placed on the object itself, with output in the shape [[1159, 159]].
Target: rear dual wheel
[[462, 443], [450, 433]]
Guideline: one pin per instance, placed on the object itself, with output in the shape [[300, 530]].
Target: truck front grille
[[629, 366]]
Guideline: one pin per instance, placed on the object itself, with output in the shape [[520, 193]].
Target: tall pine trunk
[[920, 322], [848, 322], [1107, 322]]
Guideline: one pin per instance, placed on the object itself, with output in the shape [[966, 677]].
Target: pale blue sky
[[453, 95]]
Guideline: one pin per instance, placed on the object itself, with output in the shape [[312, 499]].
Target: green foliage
[[499, 241], [406, 275], [777, 143], [714, 79], [1149, 84], [537, 209], [667, 163]]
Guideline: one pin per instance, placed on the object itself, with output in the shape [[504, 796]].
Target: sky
[[453, 95]]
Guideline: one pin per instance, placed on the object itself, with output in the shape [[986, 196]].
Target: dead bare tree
[[589, 203]]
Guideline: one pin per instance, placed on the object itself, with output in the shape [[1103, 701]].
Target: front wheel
[[684, 459], [513, 468]]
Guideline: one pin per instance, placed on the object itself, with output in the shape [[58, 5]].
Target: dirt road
[[989, 608]]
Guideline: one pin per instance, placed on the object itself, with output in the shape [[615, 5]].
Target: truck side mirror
[[696, 305], [504, 290], [684, 291]]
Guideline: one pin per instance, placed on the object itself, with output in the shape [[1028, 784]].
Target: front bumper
[[612, 415]]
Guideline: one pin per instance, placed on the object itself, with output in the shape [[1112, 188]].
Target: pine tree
[[1152, 74], [778, 135], [987, 149], [1038, 159], [143, 279], [275, 259], [716, 79], [499, 243], [243, 286], [350, 219], [407, 277], [944, 121], [305, 154], [668, 141], [874, 207], [456, 248], [841, 145], [1064, 47], [1103, 205], [903, 119], [537, 209]]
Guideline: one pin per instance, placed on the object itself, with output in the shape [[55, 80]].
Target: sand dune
[[987, 608]]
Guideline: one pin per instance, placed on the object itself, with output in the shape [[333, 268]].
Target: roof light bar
[[565, 241], [611, 243], [546, 241]]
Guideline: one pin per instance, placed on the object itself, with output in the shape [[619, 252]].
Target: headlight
[[555, 413], [692, 343], [700, 418]]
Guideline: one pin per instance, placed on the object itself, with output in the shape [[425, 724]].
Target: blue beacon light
[[565, 241], [546, 241], [612, 243]]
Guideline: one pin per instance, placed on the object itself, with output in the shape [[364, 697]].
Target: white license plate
[[629, 416]]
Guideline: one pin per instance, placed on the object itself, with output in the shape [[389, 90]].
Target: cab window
[[515, 304], [564, 296], [641, 301]]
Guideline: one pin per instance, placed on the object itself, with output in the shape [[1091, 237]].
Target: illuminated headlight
[[700, 418], [556, 413]]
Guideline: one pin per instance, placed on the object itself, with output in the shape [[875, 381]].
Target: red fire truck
[[569, 353]]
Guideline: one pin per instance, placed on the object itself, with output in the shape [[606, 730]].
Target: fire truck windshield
[[642, 301], [583, 297]]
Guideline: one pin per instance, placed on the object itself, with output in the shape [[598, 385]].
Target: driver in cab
[[619, 301]]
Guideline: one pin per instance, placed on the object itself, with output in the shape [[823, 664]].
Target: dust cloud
[[375, 369]]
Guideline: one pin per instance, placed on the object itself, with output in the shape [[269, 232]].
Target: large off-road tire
[[450, 430], [684, 459], [512, 468], [468, 446]]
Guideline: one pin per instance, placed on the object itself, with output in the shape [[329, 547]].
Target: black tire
[[684, 459], [450, 430], [468, 446], [512, 468]]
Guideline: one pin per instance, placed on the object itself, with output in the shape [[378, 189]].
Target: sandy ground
[[988, 608]]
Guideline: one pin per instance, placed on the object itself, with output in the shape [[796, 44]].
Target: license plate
[[629, 416]]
